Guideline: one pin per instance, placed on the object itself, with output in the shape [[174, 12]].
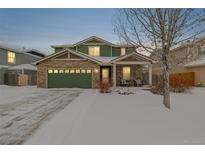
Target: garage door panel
[[70, 80]]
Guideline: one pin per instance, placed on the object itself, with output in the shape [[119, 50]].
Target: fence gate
[[23, 80]]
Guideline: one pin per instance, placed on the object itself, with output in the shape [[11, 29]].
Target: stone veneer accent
[[136, 72], [43, 66]]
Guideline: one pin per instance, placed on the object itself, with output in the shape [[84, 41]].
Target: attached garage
[[70, 78], [68, 69]]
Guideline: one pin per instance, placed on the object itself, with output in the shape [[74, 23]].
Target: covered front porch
[[132, 70], [132, 74], [129, 70]]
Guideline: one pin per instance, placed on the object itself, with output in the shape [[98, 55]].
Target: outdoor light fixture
[[96, 70]]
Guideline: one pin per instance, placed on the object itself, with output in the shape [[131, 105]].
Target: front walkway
[[139, 118]]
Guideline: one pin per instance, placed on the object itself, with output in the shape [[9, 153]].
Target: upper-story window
[[123, 51], [11, 57], [94, 51]]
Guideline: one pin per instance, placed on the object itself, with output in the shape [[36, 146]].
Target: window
[[72, 71], [66, 71], [126, 73], [55, 71], [11, 57], [88, 71], [94, 51], [50, 71], [77, 71], [82, 71], [61, 71], [123, 51]]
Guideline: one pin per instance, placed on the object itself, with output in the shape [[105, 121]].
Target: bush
[[157, 88], [177, 84], [105, 86]]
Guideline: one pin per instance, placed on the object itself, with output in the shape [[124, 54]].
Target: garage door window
[[55, 71], [88, 71], [77, 71], [72, 71], [82, 71], [61, 71], [50, 71]]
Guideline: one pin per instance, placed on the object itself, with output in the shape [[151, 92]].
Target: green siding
[[58, 49], [75, 80], [116, 52], [83, 48], [61, 48], [105, 51], [73, 48]]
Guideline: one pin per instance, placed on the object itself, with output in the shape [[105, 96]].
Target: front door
[[105, 74]]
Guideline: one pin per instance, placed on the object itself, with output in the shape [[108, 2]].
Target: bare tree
[[158, 31]]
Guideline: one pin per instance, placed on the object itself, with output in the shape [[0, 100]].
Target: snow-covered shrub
[[177, 84], [105, 86], [157, 88]]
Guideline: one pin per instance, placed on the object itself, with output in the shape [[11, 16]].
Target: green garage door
[[71, 78]]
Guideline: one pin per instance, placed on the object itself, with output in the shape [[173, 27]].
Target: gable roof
[[80, 54], [22, 50], [196, 63], [133, 53], [89, 39], [96, 38], [98, 60]]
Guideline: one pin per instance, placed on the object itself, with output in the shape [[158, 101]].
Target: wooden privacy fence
[[187, 79], [176, 79]]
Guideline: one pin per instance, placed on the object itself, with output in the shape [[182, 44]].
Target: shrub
[[178, 84], [157, 88], [105, 86]]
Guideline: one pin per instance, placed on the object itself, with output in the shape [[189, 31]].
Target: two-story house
[[17, 60], [191, 60], [85, 63]]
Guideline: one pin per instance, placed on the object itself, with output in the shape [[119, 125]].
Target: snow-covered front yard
[[140, 118], [23, 109]]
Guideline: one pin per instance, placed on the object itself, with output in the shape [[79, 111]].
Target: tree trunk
[[166, 97]]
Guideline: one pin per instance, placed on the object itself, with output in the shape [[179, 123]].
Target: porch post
[[150, 74], [114, 75]]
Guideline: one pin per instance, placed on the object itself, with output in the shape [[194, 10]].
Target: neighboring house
[[185, 53], [10, 57], [86, 63]]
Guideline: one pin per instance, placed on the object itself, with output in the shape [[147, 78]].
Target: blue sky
[[40, 28]]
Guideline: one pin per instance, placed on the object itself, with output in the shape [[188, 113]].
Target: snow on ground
[[140, 118], [23, 109]]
